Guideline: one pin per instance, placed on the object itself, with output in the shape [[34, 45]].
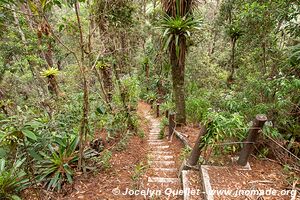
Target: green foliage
[[167, 106], [140, 133], [196, 109], [119, 13], [57, 167], [114, 124], [234, 31], [295, 55], [123, 143], [138, 171], [17, 135], [131, 89], [223, 127], [105, 159], [150, 96], [163, 123], [185, 153], [12, 180]]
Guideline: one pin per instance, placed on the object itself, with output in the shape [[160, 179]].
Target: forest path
[[162, 174]]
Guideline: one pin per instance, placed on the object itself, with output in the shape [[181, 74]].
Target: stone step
[[154, 135], [156, 140], [163, 162], [162, 147], [153, 138], [160, 143], [162, 180], [154, 127], [159, 152], [165, 169], [161, 157], [154, 131], [158, 164], [160, 173], [165, 188]]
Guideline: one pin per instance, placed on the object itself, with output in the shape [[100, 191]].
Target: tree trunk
[[108, 83], [230, 78], [52, 85], [49, 55], [178, 70], [147, 69], [83, 130], [264, 58], [98, 75]]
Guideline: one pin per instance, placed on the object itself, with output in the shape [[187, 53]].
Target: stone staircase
[[163, 172]]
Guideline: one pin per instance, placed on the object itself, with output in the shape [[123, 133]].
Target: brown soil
[[190, 132], [265, 175], [195, 184]]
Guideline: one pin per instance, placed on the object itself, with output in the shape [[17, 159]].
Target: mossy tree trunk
[[177, 60], [230, 78], [52, 85], [108, 83], [178, 70]]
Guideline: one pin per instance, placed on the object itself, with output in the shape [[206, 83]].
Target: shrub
[[105, 159], [168, 105], [222, 126], [12, 180], [196, 108]]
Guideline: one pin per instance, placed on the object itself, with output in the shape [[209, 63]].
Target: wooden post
[[194, 157], [171, 124], [167, 114], [157, 110], [151, 103], [253, 134]]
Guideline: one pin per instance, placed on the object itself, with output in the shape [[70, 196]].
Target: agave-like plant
[[234, 31], [51, 72], [150, 96], [174, 27], [58, 167], [12, 180]]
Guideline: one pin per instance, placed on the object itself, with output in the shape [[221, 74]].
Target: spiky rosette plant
[[234, 31], [177, 26], [51, 74], [12, 180]]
